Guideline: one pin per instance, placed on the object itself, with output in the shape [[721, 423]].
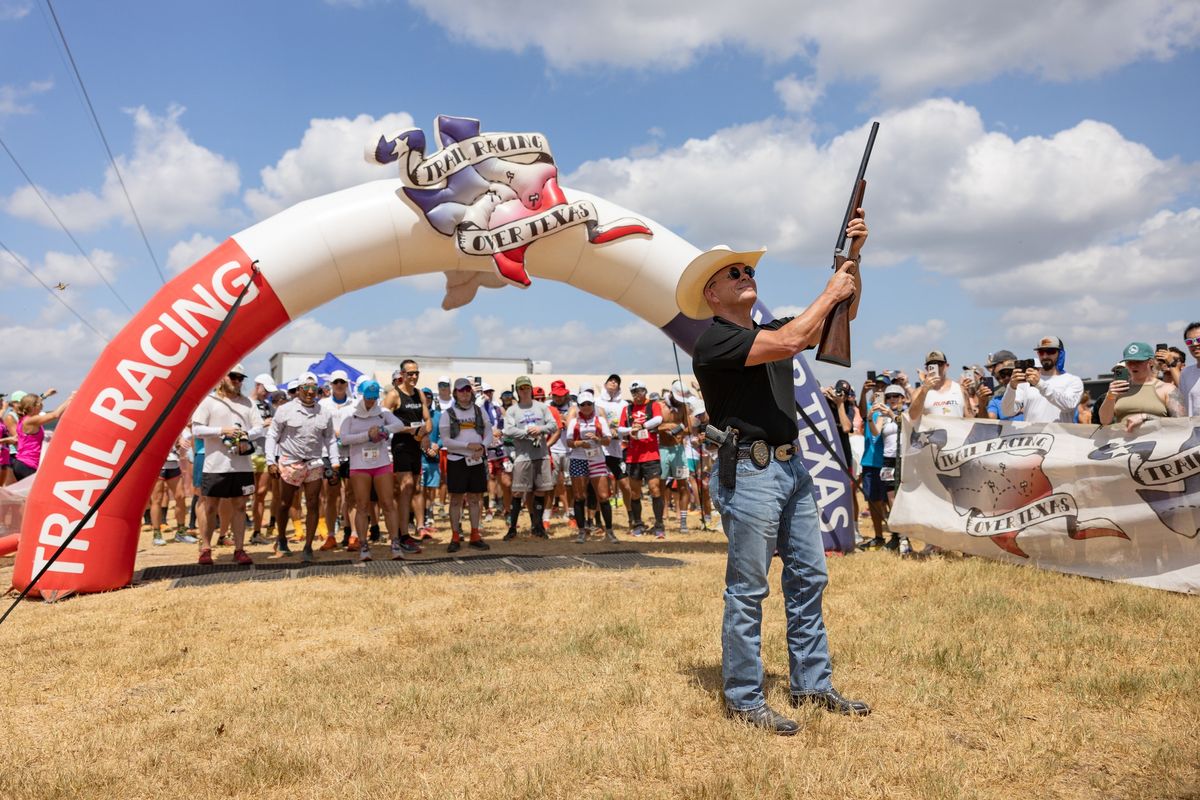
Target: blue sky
[[1036, 172]]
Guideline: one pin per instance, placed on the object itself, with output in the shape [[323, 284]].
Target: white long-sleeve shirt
[[459, 447], [1054, 399], [354, 435]]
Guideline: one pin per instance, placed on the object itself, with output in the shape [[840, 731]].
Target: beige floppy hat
[[689, 292]]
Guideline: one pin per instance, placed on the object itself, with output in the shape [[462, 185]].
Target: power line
[[63, 225], [53, 293], [104, 140]]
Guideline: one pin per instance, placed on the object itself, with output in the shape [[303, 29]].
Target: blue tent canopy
[[327, 365]]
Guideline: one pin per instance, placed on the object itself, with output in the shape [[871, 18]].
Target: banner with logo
[[1082, 499]]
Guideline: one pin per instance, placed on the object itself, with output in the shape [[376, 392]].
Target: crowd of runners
[[406, 465]]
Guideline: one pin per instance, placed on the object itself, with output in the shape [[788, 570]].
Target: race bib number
[[642, 435], [248, 490], [888, 474], [370, 453], [474, 461], [681, 473], [507, 465]]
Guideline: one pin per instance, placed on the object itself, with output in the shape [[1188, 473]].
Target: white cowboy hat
[[689, 292]]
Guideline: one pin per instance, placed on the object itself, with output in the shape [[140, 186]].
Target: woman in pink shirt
[[31, 433]]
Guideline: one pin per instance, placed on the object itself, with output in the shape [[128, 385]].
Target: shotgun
[[835, 336]]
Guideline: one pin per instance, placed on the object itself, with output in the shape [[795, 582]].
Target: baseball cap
[[306, 378], [522, 380], [506, 393], [1137, 351], [266, 380], [539, 392], [370, 390], [293, 384], [586, 397], [397, 374], [679, 390], [999, 357], [427, 390], [1049, 343], [486, 387], [462, 383], [17, 396], [586, 386], [339, 375], [558, 388], [636, 385], [613, 377], [935, 357], [844, 386], [444, 380], [894, 390]]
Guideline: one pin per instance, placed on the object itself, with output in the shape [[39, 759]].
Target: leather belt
[[761, 453]]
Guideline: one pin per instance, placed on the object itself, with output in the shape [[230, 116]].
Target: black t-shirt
[[759, 401], [410, 410]]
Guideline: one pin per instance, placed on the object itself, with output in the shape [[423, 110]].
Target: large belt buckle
[[760, 453], [785, 452]]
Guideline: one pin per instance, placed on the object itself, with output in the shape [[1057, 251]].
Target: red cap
[[538, 393], [558, 388]]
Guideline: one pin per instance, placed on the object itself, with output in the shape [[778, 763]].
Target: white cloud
[[329, 158], [924, 335], [188, 251], [798, 96], [173, 181], [934, 43], [431, 330], [12, 97], [14, 10], [56, 267], [576, 346], [941, 189], [1084, 319], [1157, 263]]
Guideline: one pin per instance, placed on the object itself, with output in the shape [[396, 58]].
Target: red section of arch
[[139, 368]]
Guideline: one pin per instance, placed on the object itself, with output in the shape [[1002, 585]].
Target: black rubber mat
[[189, 575]]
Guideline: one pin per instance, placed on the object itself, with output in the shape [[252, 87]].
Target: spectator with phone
[[938, 395], [1001, 365], [1136, 394], [1043, 390], [1189, 376]]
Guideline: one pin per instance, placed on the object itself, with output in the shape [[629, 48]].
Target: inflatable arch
[[485, 209]]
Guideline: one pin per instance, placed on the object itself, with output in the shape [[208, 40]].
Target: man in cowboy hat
[[766, 495]]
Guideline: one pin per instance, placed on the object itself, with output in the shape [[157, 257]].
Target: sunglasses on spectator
[[339, 380], [1047, 350], [307, 387], [1192, 342], [413, 372], [233, 376]]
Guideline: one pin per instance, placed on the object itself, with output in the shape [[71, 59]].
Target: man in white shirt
[[1189, 377], [1049, 394], [229, 423], [340, 404]]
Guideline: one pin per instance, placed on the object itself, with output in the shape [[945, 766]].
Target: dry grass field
[[987, 681]]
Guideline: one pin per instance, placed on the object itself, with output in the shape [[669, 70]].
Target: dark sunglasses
[[736, 272], [233, 376], [341, 382], [1004, 373], [1192, 342], [1048, 351], [413, 372]]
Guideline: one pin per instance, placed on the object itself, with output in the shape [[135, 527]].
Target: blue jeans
[[771, 508]]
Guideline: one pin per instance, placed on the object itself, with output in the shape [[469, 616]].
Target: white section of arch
[[371, 233]]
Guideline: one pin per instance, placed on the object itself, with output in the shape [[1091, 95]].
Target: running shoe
[[205, 557], [397, 552], [364, 554], [159, 541], [409, 545], [426, 533], [610, 537], [659, 533], [306, 555], [330, 543], [637, 530], [488, 517], [241, 557], [224, 541], [353, 543], [581, 538], [256, 538], [375, 533], [540, 533], [510, 534], [184, 538], [281, 546], [477, 541], [455, 545]]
